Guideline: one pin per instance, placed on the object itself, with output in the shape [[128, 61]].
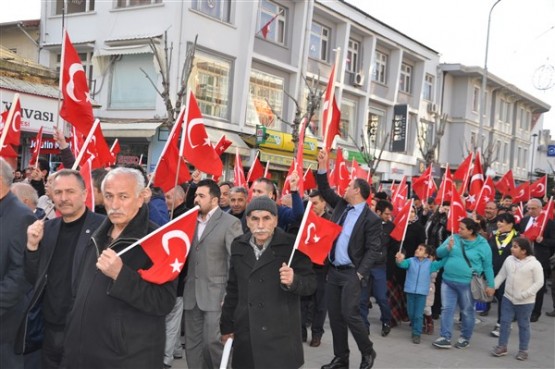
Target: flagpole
[[307, 169], [266, 169], [406, 226], [114, 145], [172, 132], [299, 234], [84, 147], [38, 144], [157, 230], [332, 95], [546, 217], [445, 183], [467, 177], [249, 174], [9, 119]]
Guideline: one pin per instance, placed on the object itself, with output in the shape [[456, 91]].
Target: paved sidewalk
[[397, 351]]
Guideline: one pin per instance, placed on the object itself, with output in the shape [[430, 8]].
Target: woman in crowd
[[457, 276]]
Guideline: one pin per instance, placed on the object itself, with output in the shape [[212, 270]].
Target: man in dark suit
[[55, 249], [14, 219], [355, 251], [206, 277], [543, 248]]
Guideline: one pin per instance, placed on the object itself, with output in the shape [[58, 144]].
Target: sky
[[522, 35]]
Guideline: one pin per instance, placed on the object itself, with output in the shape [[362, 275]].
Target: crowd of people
[[65, 288]]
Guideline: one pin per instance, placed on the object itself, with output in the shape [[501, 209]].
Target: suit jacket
[[542, 250], [208, 262], [365, 245], [14, 220]]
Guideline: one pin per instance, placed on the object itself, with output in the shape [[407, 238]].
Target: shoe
[[534, 317], [484, 313], [522, 355], [462, 343], [368, 360], [495, 332], [416, 339], [499, 351], [337, 363], [551, 313], [386, 328], [477, 321], [442, 342], [315, 341]]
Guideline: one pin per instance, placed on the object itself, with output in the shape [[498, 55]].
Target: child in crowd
[[430, 299], [417, 284], [523, 276]]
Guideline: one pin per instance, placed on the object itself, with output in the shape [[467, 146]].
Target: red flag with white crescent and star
[[537, 188], [457, 211], [401, 221], [196, 146], [487, 194], [13, 127], [476, 183], [238, 172], [168, 247], [36, 150], [76, 105], [506, 185], [222, 145], [522, 193], [85, 171], [317, 237]]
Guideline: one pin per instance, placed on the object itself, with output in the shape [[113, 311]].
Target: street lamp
[[533, 152], [484, 83]]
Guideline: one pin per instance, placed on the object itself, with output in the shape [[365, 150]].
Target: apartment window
[[131, 3], [406, 78], [505, 153], [218, 9], [428, 87], [425, 133], [476, 99], [266, 99], [276, 29], [353, 52], [473, 136], [130, 89], [379, 73], [74, 6], [348, 118], [524, 119], [86, 61], [319, 42], [211, 82]]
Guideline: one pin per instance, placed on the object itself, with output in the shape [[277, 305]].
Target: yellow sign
[[283, 141]]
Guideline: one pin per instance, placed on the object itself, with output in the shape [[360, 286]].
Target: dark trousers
[[378, 289], [343, 295], [52, 346], [316, 304], [542, 253]]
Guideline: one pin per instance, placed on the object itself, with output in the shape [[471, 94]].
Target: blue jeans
[[415, 309], [378, 281], [522, 313], [455, 294]]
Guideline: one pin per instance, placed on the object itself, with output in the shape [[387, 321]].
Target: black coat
[[365, 245], [498, 258], [118, 324], [37, 262], [263, 314]]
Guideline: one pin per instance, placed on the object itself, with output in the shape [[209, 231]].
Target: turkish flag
[[256, 170], [103, 154], [266, 27], [476, 183], [196, 146], [424, 186], [537, 188], [331, 116], [76, 105], [294, 167], [401, 221], [399, 197], [506, 185], [444, 193], [115, 150], [170, 160], [522, 193], [222, 145], [168, 247], [36, 150], [518, 214], [342, 177], [239, 172], [462, 173], [538, 227], [7, 151], [317, 236], [13, 127], [85, 171], [309, 181], [358, 172], [457, 211], [487, 194]]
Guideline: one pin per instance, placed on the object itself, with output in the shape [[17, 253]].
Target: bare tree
[[164, 67], [428, 148], [371, 154]]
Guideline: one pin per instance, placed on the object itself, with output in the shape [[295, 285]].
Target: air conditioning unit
[[357, 79], [433, 108]]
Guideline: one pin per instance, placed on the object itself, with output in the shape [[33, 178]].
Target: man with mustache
[[118, 318], [54, 249], [261, 310]]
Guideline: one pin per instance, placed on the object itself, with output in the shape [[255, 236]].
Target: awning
[[283, 158], [124, 50], [215, 134], [133, 129]]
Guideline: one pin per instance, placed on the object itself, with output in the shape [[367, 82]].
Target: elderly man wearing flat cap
[[261, 310]]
